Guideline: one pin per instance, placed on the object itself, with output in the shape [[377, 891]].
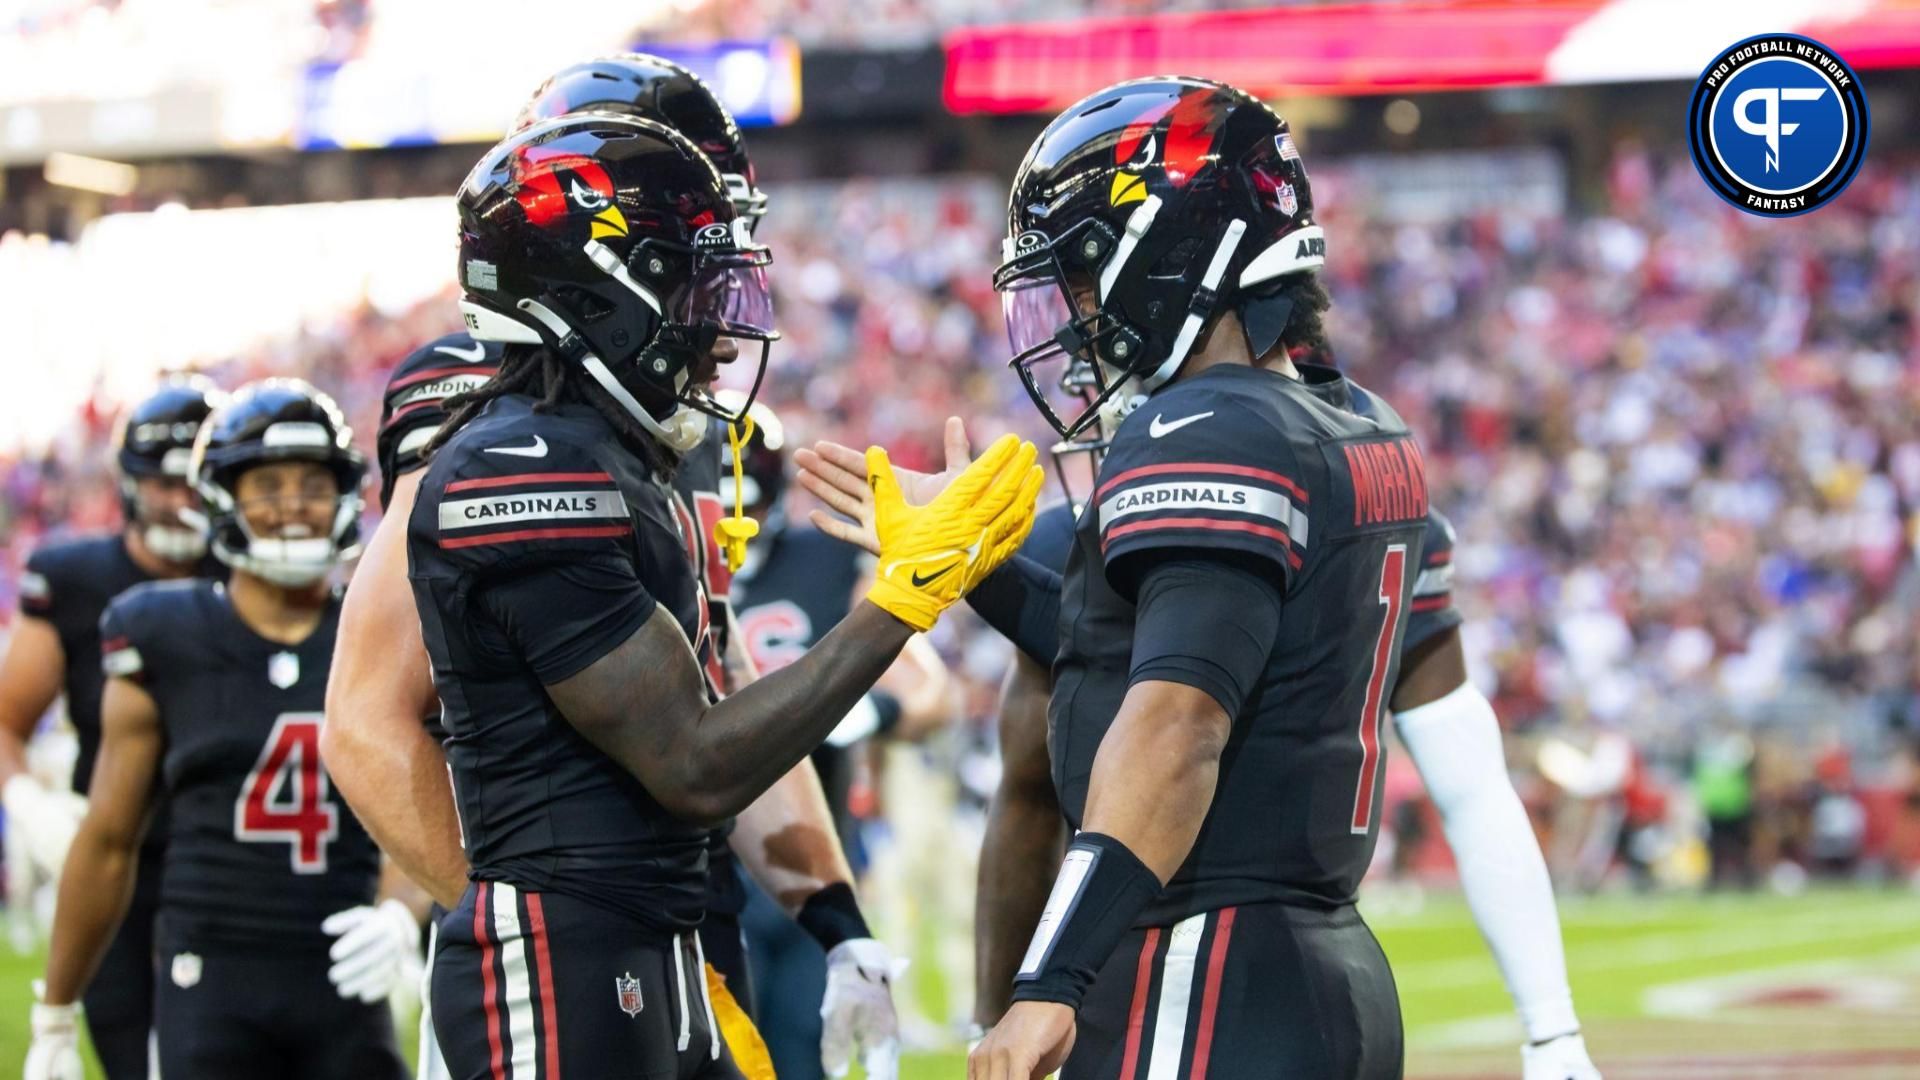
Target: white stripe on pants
[[519, 984], [1177, 971]]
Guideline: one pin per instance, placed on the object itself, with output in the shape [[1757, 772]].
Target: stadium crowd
[[1677, 445]]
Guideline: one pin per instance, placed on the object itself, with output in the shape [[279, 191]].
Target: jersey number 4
[[1393, 580], [284, 799]]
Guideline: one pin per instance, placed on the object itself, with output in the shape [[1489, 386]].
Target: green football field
[[1823, 985]]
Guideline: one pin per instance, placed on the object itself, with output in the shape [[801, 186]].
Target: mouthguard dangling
[[732, 533]]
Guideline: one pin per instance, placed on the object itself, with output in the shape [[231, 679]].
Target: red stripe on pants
[[1137, 1016], [543, 963], [1210, 998], [483, 934]]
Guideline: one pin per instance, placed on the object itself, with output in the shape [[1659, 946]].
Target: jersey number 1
[[284, 798], [1393, 580]]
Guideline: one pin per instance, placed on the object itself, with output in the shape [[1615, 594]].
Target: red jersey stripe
[[530, 478], [1210, 997], [1205, 469], [543, 965], [565, 532], [1137, 1016], [1118, 531], [483, 933]]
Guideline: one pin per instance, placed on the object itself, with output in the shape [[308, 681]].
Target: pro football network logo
[[1778, 125]]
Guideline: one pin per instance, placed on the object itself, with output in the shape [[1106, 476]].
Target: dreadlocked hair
[[538, 372], [1307, 326]]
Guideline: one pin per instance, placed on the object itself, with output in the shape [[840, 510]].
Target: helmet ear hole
[[1175, 262], [588, 307]]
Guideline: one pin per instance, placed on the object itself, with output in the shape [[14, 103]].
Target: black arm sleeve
[[1022, 601], [1206, 623], [562, 617]]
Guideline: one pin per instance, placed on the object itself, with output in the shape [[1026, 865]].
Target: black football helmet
[[1137, 215], [268, 421], [657, 89], [156, 439], [612, 240]]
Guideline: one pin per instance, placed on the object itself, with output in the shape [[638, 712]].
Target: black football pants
[[1260, 991], [539, 986]]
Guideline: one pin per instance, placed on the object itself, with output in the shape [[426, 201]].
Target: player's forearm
[[787, 841], [96, 887], [1154, 775], [394, 776], [1019, 857], [742, 745]]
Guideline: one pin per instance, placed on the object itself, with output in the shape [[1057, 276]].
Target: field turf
[[1823, 985]]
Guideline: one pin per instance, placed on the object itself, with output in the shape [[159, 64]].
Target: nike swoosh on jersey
[[1157, 429], [538, 449], [472, 356]]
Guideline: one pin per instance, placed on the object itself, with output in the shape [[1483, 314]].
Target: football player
[[213, 698], [1448, 727], [55, 650], [558, 582], [1230, 616], [796, 585], [394, 770]]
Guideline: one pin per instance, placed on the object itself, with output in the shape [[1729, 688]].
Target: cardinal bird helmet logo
[[556, 185], [1174, 135]]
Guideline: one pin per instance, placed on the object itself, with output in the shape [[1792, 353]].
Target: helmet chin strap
[[680, 432]]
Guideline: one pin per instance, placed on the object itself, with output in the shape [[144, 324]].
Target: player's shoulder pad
[[415, 403], [1197, 468], [57, 567], [140, 625], [516, 485], [1052, 537], [1374, 407]]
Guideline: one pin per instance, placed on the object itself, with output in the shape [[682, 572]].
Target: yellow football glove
[[931, 555]]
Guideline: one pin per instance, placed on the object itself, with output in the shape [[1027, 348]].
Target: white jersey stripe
[[1177, 975], [518, 991], [680, 990]]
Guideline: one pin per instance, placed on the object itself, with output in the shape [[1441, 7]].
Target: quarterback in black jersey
[[55, 651], [559, 592], [212, 699]]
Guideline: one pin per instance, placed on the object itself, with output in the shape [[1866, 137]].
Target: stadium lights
[[91, 174]]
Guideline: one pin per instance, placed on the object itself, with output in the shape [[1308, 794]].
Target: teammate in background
[[55, 650], [795, 586], [392, 765], [213, 699], [557, 579]]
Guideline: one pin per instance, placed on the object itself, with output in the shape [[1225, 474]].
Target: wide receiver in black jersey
[[212, 698], [55, 651], [559, 591], [394, 774]]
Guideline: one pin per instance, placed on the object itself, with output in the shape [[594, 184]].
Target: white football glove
[[373, 950], [857, 1011], [55, 1053], [46, 819], [1564, 1058]]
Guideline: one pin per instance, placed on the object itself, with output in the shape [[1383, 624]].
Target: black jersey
[[1252, 465], [697, 482], [1432, 609], [69, 584], [538, 544], [798, 584], [259, 848], [415, 403]]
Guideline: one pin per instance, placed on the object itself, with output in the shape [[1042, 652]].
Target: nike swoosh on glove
[[372, 951], [931, 555], [857, 1011], [55, 1051], [1564, 1058]]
